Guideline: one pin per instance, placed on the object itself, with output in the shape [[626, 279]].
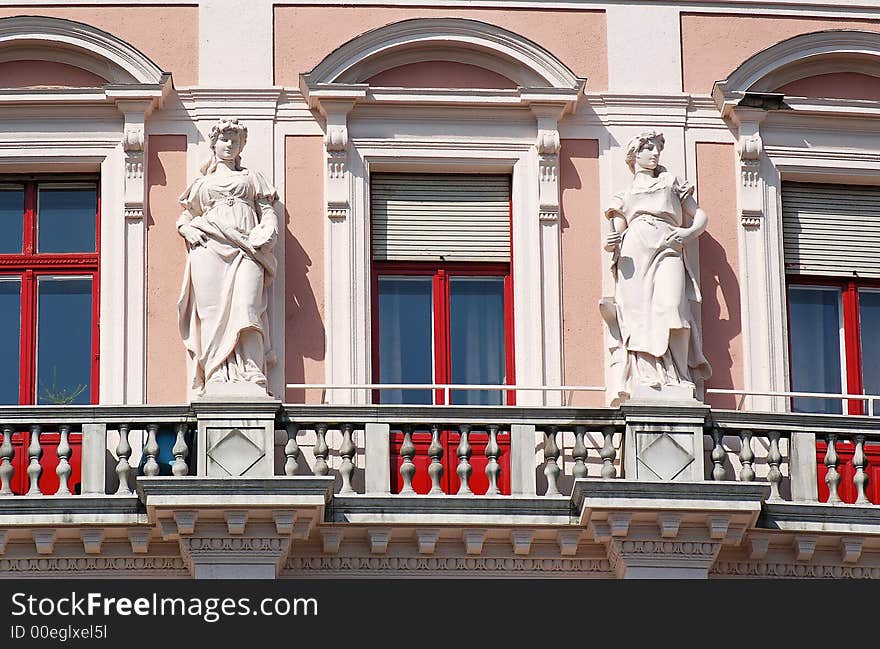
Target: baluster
[[718, 456], [407, 469], [180, 452], [774, 457], [435, 452], [860, 479], [346, 451], [291, 450], [832, 477], [123, 466], [579, 453], [464, 469], [551, 457], [34, 469], [608, 454], [7, 453], [151, 450], [746, 456], [493, 469], [321, 450], [63, 469]]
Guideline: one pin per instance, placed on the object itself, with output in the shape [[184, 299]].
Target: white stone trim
[[127, 64], [348, 262], [505, 52], [795, 58], [771, 149]]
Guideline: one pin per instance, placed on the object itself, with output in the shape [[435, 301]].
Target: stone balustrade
[[547, 449]]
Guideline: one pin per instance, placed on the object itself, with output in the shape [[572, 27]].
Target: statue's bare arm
[[618, 225], [267, 230], [194, 236]]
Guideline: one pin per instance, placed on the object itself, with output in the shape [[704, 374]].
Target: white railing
[[845, 397], [447, 388], [569, 390]]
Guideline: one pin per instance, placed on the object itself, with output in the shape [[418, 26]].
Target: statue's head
[[227, 139], [644, 151]]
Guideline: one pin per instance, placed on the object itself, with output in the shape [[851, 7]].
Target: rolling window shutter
[[441, 217], [831, 229]]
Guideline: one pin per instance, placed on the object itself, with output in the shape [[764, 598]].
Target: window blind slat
[[426, 217], [831, 229]]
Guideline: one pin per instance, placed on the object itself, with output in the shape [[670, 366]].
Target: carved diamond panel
[[235, 453], [665, 458]]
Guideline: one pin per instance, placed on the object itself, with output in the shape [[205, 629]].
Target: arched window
[[806, 111]]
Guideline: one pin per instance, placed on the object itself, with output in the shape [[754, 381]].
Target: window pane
[[476, 315], [10, 338], [815, 346], [66, 220], [869, 324], [64, 340], [406, 350], [11, 219]]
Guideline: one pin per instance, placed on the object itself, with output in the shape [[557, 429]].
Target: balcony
[[265, 489]]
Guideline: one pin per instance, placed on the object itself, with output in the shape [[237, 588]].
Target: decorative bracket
[[134, 144], [750, 148], [548, 144], [336, 144]]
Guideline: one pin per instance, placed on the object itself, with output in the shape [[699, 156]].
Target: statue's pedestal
[[236, 431], [664, 439]]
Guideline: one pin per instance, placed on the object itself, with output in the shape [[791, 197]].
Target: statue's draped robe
[[655, 287], [225, 281]]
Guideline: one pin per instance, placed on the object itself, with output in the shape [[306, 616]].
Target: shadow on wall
[[718, 332], [569, 179], [303, 324]]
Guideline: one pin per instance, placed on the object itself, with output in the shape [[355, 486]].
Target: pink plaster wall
[[304, 265], [440, 74], [166, 255], [31, 74], [839, 85], [714, 45], [169, 36], [305, 34], [582, 333], [719, 270]]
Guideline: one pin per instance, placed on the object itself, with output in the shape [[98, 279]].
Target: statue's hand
[[194, 237], [678, 237], [612, 241], [259, 236]]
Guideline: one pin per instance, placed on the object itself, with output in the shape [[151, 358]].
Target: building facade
[[441, 170]]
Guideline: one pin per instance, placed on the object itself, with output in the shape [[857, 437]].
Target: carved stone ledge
[[88, 567], [753, 569], [374, 566], [647, 558]]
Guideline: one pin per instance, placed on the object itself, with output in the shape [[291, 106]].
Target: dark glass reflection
[[815, 346], [64, 340], [10, 339], [869, 326], [66, 220], [11, 220], [405, 337], [476, 314]]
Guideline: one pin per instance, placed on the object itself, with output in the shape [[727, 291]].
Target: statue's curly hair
[[638, 142], [224, 125]]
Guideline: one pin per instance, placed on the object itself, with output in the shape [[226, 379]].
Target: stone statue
[[657, 350], [230, 226]]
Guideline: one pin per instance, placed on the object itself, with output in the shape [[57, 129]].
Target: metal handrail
[[571, 389], [446, 387]]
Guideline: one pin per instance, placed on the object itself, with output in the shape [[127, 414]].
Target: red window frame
[[849, 292], [441, 272], [29, 265]]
